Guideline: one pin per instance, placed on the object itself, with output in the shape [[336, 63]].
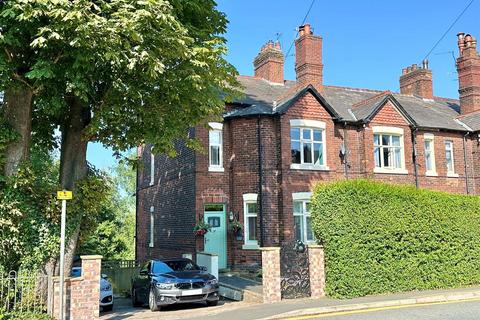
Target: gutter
[[260, 181], [465, 161]]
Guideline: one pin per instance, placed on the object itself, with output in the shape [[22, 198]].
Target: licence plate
[[191, 292]]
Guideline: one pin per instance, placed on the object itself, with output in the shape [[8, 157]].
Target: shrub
[[381, 238]]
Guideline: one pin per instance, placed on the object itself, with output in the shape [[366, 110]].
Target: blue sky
[[365, 43]]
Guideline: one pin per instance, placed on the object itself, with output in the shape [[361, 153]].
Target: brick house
[[284, 136]]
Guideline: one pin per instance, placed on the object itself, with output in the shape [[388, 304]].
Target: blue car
[[164, 282]]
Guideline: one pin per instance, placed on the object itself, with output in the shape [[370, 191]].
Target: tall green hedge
[[381, 238]]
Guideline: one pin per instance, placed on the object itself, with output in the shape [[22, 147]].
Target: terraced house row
[[284, 136]]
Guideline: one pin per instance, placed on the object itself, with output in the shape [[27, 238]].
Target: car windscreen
[[160, 267], [182, 265]]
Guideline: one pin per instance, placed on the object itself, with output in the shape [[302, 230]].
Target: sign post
[[64, 196]]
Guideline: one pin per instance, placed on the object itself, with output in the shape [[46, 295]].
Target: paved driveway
[[123, 310]]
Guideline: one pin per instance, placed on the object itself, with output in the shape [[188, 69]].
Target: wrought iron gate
[[294, 270]]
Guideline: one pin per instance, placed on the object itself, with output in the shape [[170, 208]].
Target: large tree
[[120, 72]]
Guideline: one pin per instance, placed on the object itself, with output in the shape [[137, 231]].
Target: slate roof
[[262, 97], [472, 121]]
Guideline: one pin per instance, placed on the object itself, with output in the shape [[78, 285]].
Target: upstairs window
[[429, 155], [449, 158], [215, 147], [388, 150], [307, 141]]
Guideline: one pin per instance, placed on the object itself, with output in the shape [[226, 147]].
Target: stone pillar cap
[[270, 248], [91, 257]]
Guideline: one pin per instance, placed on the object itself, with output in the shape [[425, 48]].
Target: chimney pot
[[425, 64]]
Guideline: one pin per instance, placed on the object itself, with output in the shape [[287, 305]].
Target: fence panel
[[19, 292], [120, 273]]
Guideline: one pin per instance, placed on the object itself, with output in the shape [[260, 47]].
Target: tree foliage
[[381, 238]]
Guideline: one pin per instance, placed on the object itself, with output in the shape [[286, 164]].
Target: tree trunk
[[18, 114], [73, 161]]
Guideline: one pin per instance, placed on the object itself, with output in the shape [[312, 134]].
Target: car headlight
[[164, 286], [212, 282], [106, 288]]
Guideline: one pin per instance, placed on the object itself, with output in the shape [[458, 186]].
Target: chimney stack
[[417, 81], [308, 58], [468, 68], [268, 64]]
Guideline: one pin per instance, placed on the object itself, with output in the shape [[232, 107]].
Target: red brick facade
[[257, 159]]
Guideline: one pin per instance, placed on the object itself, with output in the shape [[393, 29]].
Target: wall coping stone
[[208, 253]]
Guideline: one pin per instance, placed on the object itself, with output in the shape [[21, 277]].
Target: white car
[[106, 290]]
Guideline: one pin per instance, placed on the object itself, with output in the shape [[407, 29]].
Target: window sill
[[431, 174], [452, 175], [296, 166], [216, 169], [250, 247], [390, 171]]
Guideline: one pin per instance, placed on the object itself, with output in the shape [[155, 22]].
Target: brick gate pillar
[[82, 294], [316, 257], [271, 274]]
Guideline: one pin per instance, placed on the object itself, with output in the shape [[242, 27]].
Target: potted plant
[[201, 228], [237, 228]]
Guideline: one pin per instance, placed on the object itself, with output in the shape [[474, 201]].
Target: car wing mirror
[[203, 268], [104, 276], [143, 272]]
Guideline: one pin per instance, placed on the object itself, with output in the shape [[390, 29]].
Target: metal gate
[[294, 270]]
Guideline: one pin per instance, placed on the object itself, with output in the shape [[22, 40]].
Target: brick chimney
[[269, 62], [417, 81], [468, 68], [308, 58]]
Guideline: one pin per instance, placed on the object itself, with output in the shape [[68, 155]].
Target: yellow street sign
[[64, 195]]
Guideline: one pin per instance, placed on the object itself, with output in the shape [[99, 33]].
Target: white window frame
[[313, 125], [302, 197], [249, 198], [392, 131], [152, 168], [431, 139], [152, 227], [449, 148], [215, 127]]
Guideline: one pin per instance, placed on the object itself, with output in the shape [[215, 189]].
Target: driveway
[[123, 310]]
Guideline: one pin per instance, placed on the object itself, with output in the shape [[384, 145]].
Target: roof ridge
[[354, 89], [375, 97], [463, 116]]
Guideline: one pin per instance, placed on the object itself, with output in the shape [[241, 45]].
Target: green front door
[[216, 238]]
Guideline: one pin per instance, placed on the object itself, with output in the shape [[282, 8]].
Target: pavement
[[299, 308]]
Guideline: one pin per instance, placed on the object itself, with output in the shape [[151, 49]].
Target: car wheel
[[135, 302], [107, 308], [152, 301], [212, 303]]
